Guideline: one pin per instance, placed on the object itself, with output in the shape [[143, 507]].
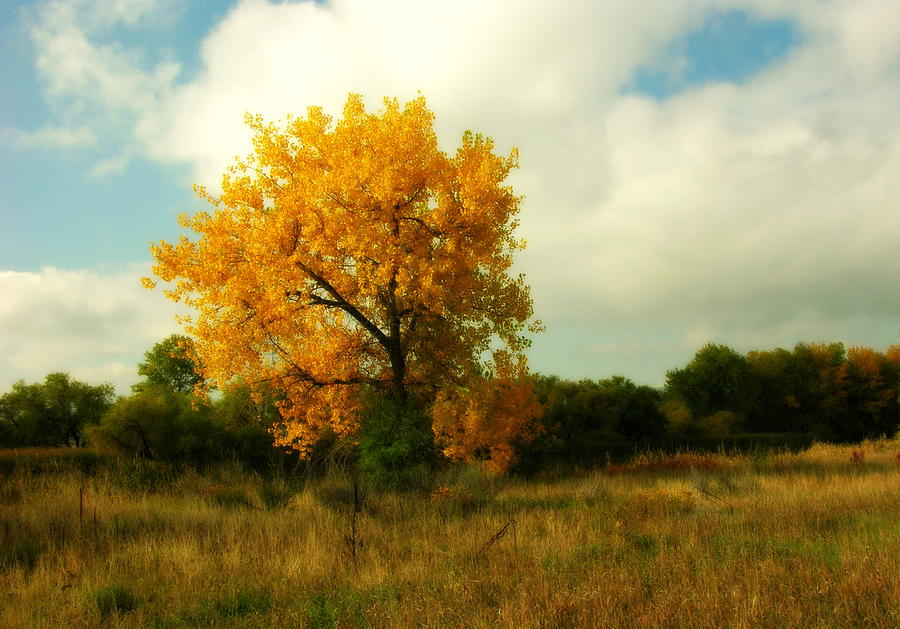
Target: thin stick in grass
[[496, 537]]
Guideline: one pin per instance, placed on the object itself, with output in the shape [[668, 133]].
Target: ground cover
[[690, 540]]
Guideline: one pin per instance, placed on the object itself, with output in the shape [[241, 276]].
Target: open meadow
[[693, 540]]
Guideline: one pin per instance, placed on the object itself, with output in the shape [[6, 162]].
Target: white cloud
[[127, 12], [97, 85], [95, 80], [96, 325], [715, 201], [765, 212], [866, 32], [518, 70]]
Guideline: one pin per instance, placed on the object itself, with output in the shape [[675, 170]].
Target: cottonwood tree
[[358, 254]]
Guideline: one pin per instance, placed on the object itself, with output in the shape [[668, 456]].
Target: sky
[[693, 171]]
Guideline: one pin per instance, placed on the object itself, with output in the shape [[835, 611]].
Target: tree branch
[[339, 301], [434, 232], [302, 375]]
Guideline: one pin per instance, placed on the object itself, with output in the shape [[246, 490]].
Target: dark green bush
[[396, 444], [160, 424], [52, 413]]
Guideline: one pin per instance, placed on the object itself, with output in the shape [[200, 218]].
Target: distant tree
[[817, 381], [52, 413], [679, 419], [584, 419], [636, 409], [819, 389], [772, 402], [170, 363], [871, 395], [569, 413], [893, 355], [715, 380]]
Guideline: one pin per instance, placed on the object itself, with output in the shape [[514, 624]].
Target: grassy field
[[766, 540]]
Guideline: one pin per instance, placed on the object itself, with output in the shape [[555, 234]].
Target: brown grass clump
[[805, 540], [684, 461]]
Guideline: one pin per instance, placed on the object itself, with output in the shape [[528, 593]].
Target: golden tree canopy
[[353, 254]]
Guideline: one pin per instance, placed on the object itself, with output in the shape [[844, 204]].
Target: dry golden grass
[[781, 540]]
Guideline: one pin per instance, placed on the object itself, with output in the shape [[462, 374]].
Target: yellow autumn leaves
[[356, 253]]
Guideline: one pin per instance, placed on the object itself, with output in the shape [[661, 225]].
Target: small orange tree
[[358, 254]]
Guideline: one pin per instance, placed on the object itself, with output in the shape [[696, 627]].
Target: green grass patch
[[239, 605], [228, 497], [645, 545], [346, 607], [112, 599], [822, 553]]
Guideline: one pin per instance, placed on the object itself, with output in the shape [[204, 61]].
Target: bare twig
[[496, 537], [353, 542]]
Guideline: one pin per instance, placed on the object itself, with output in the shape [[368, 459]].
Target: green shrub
[[396, 444], [160, 424]]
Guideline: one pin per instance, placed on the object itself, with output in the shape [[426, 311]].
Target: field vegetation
[[761, 539], [349, 435]]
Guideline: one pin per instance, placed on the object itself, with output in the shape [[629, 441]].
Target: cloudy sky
[[693, 170]]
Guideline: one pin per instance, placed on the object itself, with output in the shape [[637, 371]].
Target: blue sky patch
[[731, 46]]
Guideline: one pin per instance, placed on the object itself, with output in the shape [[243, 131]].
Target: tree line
[[352, 287], [162, 419], [824, 390], [777, 397]]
